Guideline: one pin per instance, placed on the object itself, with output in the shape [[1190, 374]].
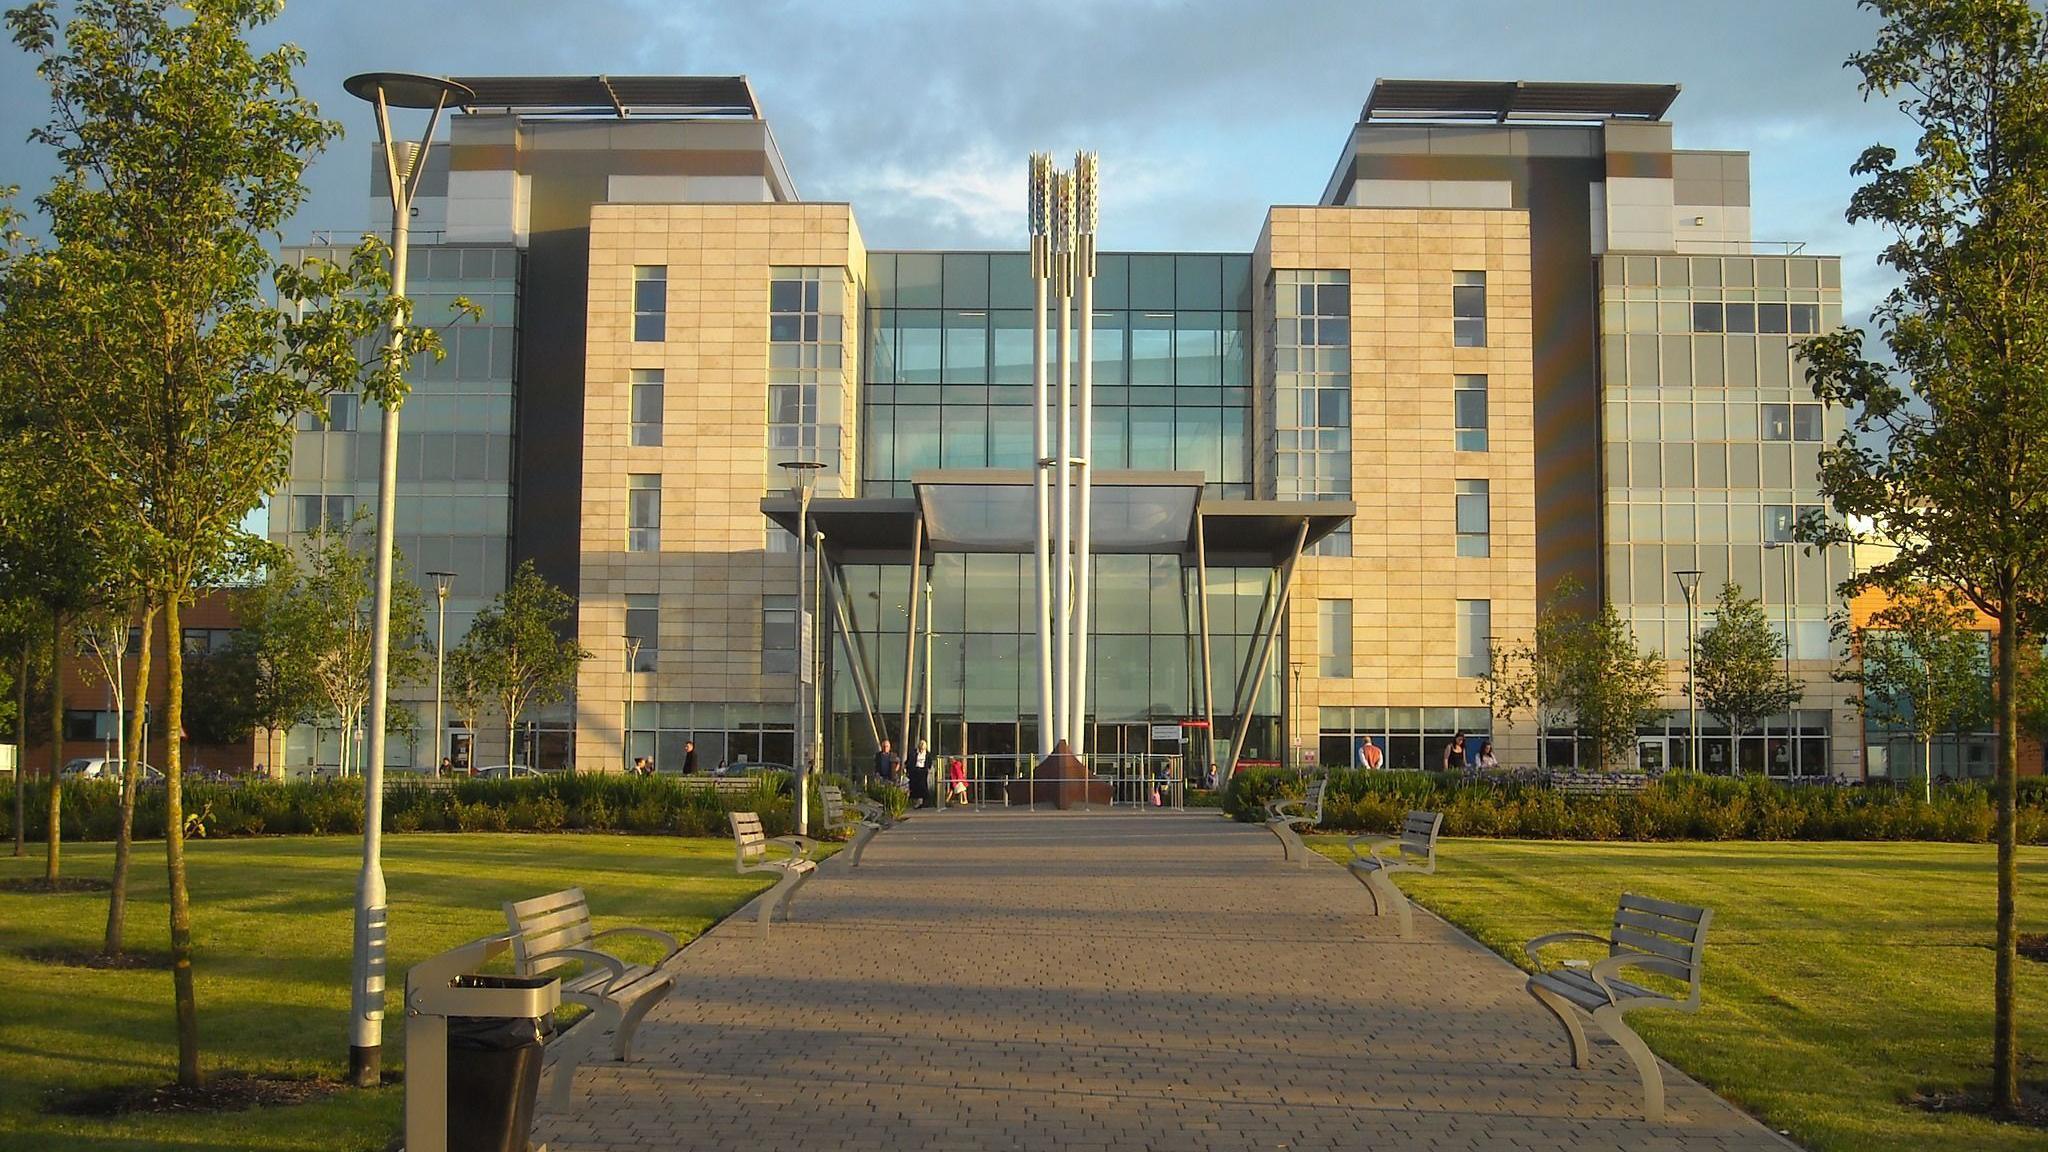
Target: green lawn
[[1840, 978], [272, 923]]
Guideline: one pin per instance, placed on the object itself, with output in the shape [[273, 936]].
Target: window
[[1475, 637], [778, 634], [1333, 638], [1468, 309], [341, 415], [643, 623], [1806, 422], [643, 513], [1781, 521], [323, 513], [1474, 516], [778, 541], [1468, 400], [201, 641], [1777, 422], [650, 303], [647, 401], [1706, 316], [1312, 390], [805, 377]]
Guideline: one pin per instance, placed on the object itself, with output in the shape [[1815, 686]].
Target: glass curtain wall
[[1312, 391], [1143, 658], [947, 377]]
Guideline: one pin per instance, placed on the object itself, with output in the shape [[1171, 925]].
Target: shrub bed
[[1680, 806], [555, 803]]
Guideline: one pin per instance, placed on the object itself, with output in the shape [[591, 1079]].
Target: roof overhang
[[1134, 513], [1502, 101], [619, 96]]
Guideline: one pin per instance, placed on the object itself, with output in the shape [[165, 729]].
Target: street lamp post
[[632, 667], [1689, 583], [404, 165], [443, 581], [803, 477], [1784, 551]]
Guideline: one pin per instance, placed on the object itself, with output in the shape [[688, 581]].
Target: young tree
[[518, 648], [1738, 665], [1939, 454], [189, 352], [326, 616], [1922, 667], [22, 641], [1610, 684], [272, 660]]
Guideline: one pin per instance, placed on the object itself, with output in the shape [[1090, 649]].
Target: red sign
[[1194, 723]]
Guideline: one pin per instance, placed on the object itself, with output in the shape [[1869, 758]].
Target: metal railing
[[1005, 780]]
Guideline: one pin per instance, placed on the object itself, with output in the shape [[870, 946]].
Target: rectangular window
[[778, 634], [650, 303], [805, 377], [1777, 422], [1475, 637], [341, 415], [1474, 517], [323, 513], [647, 403], [1468, 399], [643, 623], [643, 513], [1468, 309], [1806, 422], [1311, 361], [1780, 522], [1333, 638]]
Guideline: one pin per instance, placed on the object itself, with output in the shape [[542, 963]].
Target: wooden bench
[[553, 932], [1651, 935], [861, 820], [753, 847], [1414, 850], [1283, 814]]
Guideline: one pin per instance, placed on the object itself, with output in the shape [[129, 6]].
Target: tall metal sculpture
[[1063, 210]]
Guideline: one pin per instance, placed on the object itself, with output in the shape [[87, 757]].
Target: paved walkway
[[1080, 982]]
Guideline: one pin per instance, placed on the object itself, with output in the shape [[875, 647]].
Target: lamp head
[[802, 472], [443, 581], [1086, 193], [408, 90], [1040, 194]]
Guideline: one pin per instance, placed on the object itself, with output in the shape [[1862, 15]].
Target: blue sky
[[921, 114]]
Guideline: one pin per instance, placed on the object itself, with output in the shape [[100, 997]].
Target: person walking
[[1487, 761], [886, 763], [922, 767], [1370, 757], [1454, 754], [956, 781], [689, 757]]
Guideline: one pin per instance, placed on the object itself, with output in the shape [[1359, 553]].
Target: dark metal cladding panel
[[1513, 100], [605, 95]]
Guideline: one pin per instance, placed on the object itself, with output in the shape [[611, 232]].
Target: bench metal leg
[[1386, 895], [622, 1040], [1291, 847], [1610, 1021], [775, 898], [565, 1083], [865, 833], [789, 894], [1566, 1015]]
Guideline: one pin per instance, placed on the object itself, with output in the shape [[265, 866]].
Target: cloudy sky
[[921, 113]]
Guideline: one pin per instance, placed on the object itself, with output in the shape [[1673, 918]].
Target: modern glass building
[[1519, 338]]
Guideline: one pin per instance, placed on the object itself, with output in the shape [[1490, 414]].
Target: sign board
[[1170, 733], [804, 646]]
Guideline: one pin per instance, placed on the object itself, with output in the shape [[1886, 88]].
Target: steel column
[[1265, 649]]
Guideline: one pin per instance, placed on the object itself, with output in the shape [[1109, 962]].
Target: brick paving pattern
[[1157, 981]]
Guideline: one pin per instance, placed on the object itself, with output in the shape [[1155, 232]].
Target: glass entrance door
[[1652, 754]]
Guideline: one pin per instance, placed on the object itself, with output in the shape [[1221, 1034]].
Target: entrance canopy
[[990, 510]]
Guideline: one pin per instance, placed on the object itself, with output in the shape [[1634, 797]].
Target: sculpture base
[[1061, 781]]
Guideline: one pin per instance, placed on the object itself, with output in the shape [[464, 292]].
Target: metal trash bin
[[473, 1048], [494, 1072]]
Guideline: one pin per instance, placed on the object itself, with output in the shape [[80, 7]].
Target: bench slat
[[1685, 931], [1685, 912], [541, 905], [1657, 945], [568, 937], [530, 927]]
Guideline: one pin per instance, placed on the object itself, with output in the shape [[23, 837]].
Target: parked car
[[751, 768], [102, 768], [506, 772]]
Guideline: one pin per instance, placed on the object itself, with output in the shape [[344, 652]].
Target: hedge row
[[556, 803], [1680, 806]]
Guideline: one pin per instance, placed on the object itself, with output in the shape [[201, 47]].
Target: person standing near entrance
[[1454, 754], [886, 762], [689, 757], [922, 766]]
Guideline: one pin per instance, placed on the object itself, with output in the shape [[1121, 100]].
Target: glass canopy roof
[[990, 510]]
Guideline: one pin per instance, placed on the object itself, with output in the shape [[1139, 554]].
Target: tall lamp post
[[1784, 551], [443, 581], [404, 165], [803, 475], [632, 667], [1689, 583]]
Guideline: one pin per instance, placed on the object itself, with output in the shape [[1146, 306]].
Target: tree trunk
[[174, 852], [53, 862], [2005, 1048], [1927, 767], [511, 740], [21, 750], [131, 776]]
